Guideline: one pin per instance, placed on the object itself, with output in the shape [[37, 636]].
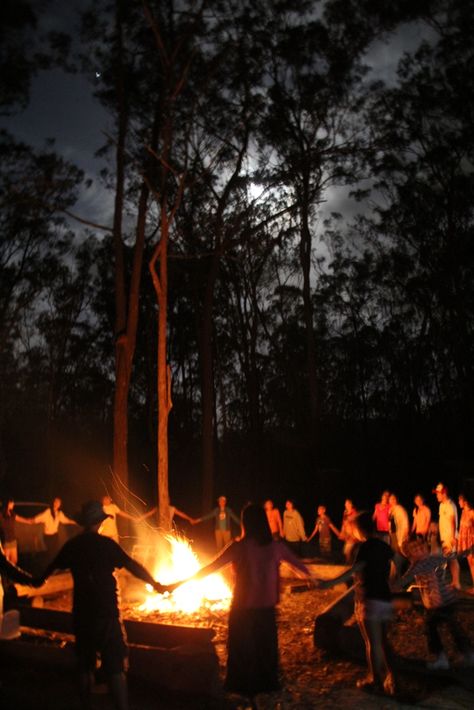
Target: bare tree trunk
[[305, 260], [160, 283], [207, 385], [122, 368]]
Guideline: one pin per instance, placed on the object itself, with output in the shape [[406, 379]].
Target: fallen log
[[187, 669], [139, 632]]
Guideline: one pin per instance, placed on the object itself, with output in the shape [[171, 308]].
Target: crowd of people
[[383, 549]]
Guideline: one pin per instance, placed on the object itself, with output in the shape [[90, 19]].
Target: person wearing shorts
[[92, 559], [373, 606]]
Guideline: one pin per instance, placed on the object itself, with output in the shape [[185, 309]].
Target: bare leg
[[375, 637], [118, 688], [470, 561], [455, 573], [368, 654]]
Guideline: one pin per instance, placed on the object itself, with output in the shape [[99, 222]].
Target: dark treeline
[[319, 346]]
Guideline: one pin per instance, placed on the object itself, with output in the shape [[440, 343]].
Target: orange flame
[[212, 592]]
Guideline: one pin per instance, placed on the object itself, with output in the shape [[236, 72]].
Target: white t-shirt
[[50, 522], [448, 522], [109, 526]]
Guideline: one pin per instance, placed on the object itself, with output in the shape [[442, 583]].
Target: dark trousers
[[445, 615]]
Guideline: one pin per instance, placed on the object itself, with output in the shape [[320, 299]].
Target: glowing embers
[[211, 593]]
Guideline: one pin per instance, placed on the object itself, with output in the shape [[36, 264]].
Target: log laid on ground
[[193, 670], [139, 632], [334, 633], [178, 658]]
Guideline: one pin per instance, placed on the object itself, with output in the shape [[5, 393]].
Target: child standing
[[439, 599], [323, 527]]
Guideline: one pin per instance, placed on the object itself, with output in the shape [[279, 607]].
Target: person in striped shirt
[[440, 601]]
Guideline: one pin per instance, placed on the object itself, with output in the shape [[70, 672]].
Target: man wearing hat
[[92, 559], [448, 526]]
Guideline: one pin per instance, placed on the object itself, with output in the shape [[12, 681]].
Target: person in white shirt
[[109, 526], [448, 530], [51, 518]]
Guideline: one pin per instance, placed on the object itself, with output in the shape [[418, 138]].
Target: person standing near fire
[[448, 531], [109, 527], [381, 517], [323, 527], [274, 519], [252, 660], [421, 518], [293, 527], [8, 519], [92, 559], [51, 518], [223, 517], [348, 532], [466, 534]]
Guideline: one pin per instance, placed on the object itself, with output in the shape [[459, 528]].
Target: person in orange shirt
[[274, 519]]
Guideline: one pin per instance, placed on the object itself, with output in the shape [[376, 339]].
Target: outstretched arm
[[313, 533], [13, 572], [344, 577], [127, 516], [223, 559], [147, 515], [185, 516], [142, 573]]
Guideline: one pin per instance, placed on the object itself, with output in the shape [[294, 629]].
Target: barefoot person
[[373, 607], [92, 559]]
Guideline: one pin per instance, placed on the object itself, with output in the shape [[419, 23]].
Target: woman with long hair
[[252, 665]]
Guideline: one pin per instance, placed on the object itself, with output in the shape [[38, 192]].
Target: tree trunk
[[207, 386], [305, 260], [160, 282], [122, 369]]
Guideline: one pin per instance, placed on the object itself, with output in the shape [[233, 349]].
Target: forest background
[[318, 217]]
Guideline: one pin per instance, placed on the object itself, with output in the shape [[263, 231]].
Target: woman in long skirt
[[252, 665]]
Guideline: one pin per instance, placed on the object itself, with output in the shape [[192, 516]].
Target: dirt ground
[[310, 678]]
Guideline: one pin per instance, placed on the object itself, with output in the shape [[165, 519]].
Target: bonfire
[[209, 594]]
